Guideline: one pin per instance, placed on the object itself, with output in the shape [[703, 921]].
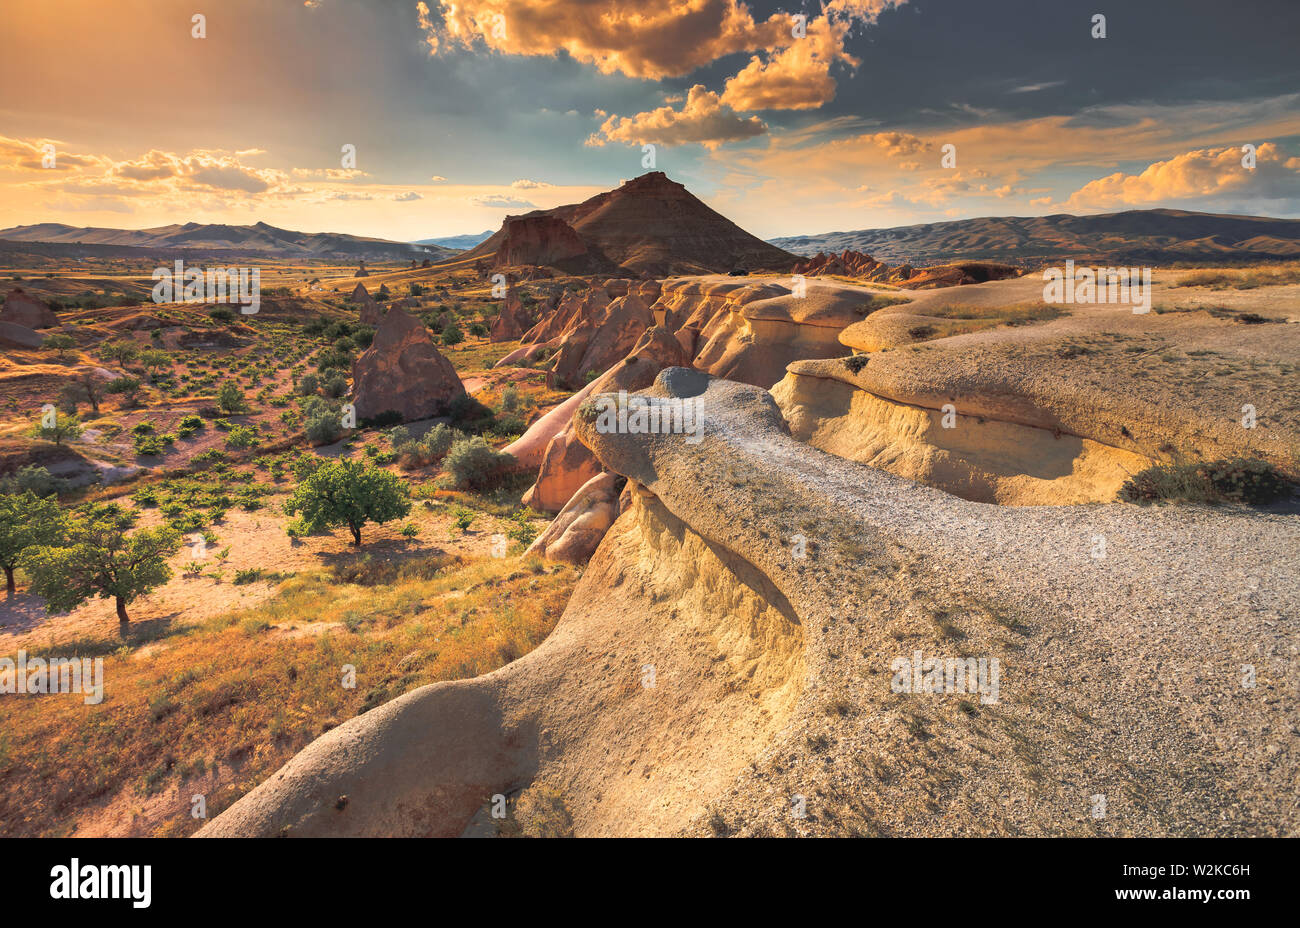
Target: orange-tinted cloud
[[630, 37], [1195, 174], [704, 119], [797, 77]]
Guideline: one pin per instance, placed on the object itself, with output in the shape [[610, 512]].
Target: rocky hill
[[649, 226], [261, 239], [1133, 236]]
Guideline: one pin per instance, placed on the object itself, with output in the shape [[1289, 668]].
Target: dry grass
[[216, 708], [957, 319], [1245, 279]]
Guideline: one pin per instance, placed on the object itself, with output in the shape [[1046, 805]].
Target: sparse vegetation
[[1237, 480]]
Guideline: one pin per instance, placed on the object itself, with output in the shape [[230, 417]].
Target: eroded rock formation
[[403, 371], [774, 665], [21, 308]]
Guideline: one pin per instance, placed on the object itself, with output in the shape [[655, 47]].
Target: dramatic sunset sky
[[462, 113]]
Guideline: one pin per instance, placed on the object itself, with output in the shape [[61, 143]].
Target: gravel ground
[[1151, 690]]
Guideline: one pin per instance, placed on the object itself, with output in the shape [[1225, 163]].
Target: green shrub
[[1238, 480], [476, 465], [150, 445], [230, 398], [430, 448], [242, 436], [32, 478]]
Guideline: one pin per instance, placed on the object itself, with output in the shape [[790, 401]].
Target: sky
[[789, 119]]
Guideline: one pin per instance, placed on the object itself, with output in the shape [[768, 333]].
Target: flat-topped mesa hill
[[650, 226]]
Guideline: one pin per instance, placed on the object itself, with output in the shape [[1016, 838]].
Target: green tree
[[349, 493], [63, 428], [83, 388], [26, 521], [452, 335], [231, 399], [61, 344], [119, 351], [152, 359], [99, 558]]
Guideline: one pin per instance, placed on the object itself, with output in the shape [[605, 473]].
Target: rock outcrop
[[21, 308], [372, 314], [513, 321], [567, 464], [863, 267], [732, 327], [737, 639], [402, 371], [543, 239], [13, 335], [578, 530]]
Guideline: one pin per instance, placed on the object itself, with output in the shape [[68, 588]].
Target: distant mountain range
[[261, 239], [1135, 236], [458, 242]]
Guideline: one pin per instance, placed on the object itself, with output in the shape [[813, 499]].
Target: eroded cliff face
[[730, 664], [671, 670], [973, 457]]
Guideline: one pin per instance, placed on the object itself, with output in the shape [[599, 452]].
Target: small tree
[[26, 521], [349, 493], [231, 399], [153, 359], [84, 388], [452, 335], [60, 344], [99, 558], [120, 352], [61, 429]]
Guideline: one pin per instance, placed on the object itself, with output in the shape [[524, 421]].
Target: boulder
[[581, 525], [13, 335], [403, 371], [21, 308]]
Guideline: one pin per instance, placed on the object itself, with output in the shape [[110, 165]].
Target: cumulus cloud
[[427, 27], [668, 39], [29, 155], [704, 120], [629, 37], [525, 184], [797, 77], [1197, 174], [407, 197]]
